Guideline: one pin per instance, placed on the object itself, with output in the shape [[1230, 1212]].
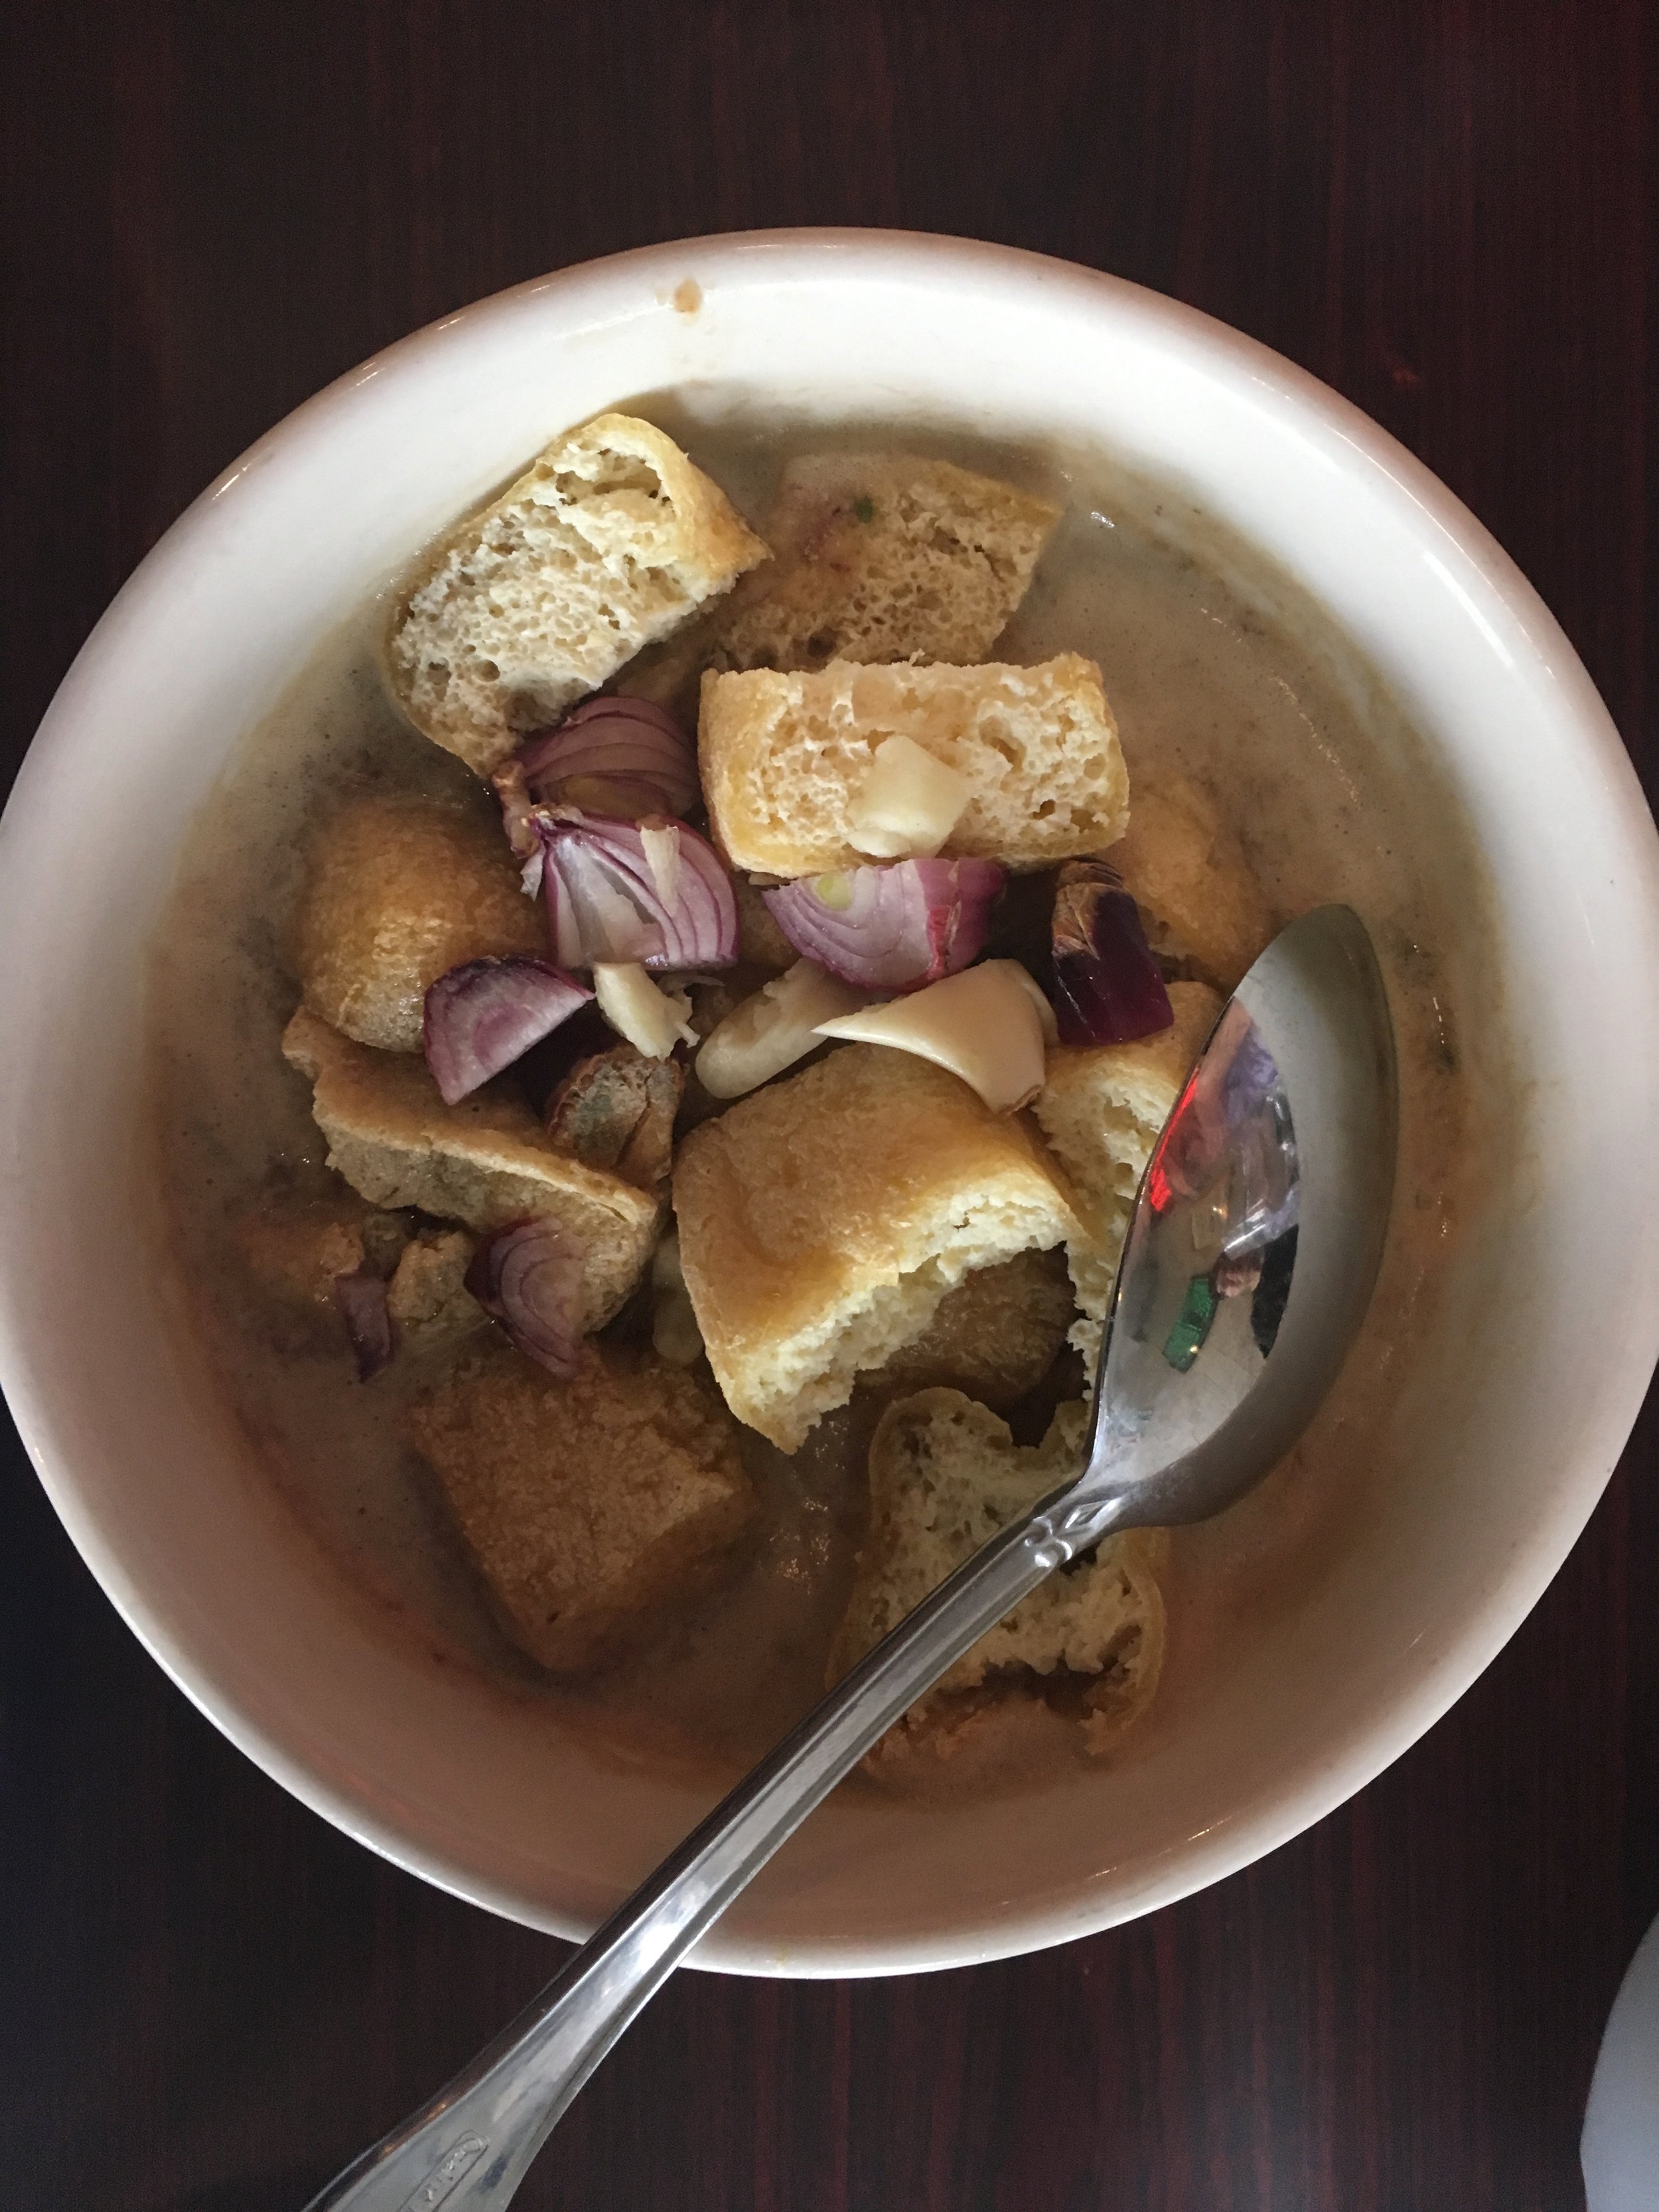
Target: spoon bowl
[[1257, 1234], [1250, 1259]]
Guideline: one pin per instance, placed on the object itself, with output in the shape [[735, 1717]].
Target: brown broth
[[1213, 662]]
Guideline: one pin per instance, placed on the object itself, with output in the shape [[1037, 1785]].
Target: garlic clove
[[653, 1020], [910, 802], [982, 1024], [772, 1029]]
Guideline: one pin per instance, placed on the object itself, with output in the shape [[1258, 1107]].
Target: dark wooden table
[[208, 1998]]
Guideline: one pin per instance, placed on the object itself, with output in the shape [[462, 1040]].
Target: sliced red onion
[[637, 753], [652, 892], [529, 1276], [892, 928], [1108, 987], [361, 1300], [485, 1014]]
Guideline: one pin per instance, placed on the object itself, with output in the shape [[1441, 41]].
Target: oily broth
[[1214, 664]]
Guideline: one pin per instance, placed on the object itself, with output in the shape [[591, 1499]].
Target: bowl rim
[[828, 253]]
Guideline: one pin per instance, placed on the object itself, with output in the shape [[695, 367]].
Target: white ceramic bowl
[[1513, 1431]]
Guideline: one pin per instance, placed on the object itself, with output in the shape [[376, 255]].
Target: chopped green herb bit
[[864, 508]]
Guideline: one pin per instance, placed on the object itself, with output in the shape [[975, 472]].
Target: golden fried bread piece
[[785, 759], [589, 1506], [945, 1476], [608, 542], [484, 1163], [822, 1220], [1199, 903], [995, 1336], [1102, 1108], [401, 890]]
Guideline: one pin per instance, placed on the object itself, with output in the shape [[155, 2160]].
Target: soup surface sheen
[[1214, 663]]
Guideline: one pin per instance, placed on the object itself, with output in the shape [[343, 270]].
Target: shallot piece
[[361, 1300], [1108, 987], [485, 1014], [891, 929], [983, 1025], [529, 1277], [616, 757], [652, 892]]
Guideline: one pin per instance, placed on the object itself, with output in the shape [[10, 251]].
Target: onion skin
[[482, 1016], [1109, 989], [893, 929], [636, 753], [361, 1298], [610, 901], [529, 1277]]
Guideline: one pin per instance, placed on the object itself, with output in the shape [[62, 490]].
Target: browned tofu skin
[[589, 1506], [400, 891], [617, 1110], [995, 1336]]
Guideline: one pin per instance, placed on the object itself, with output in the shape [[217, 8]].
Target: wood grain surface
[[208, 1998]]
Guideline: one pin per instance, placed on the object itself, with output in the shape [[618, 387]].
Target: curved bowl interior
[[1514, 1419]]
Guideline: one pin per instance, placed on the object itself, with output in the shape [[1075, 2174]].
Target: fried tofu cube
[[786, 759], [1202, 907], [589, 1507], [401, 890], [615, 1110], [946, 1477], [823, 1219], [1103, 1109], [875, 558], [484, 1163], [611, 539]]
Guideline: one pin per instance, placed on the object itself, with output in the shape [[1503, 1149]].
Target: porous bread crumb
[[609, 541], [485, 1162], [946, 1477], [784, 758], [823, 1219], [1103, 1109], [592, 1506], [995, 1336], [1202, 906], [399, 891]]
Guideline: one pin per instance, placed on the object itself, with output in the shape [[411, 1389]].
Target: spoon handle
[[470, 2147]]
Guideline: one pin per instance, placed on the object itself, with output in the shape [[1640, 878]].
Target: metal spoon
[[1248, 1265]]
